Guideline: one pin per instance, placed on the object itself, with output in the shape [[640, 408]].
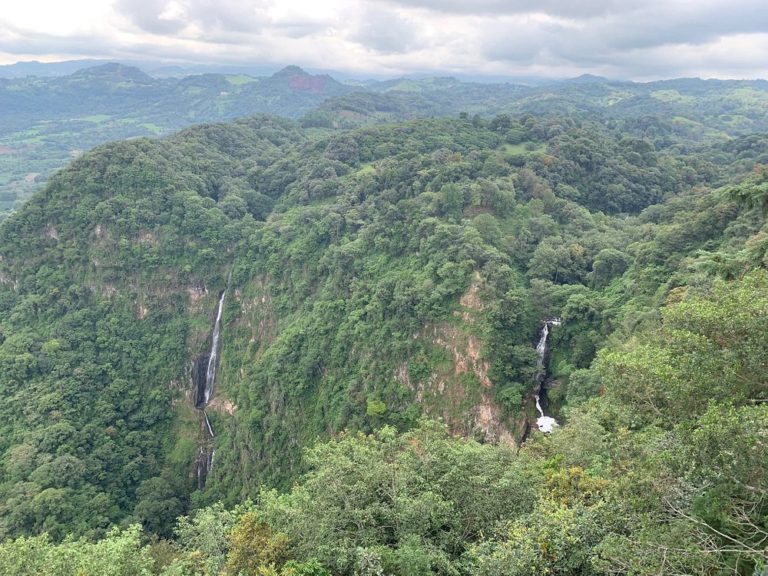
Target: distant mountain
[[114, 72], [34, 68], [48, 120], [293, 80], [586, 79]]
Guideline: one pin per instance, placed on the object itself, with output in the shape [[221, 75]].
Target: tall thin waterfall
[[545, 423], [203, 393], [210, 373]]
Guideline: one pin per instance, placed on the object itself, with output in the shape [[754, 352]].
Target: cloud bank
[[617, 38]]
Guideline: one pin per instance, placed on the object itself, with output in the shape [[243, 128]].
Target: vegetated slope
[[664, 472], [680, 111], [375, 275], [106, 280], [48, 121]]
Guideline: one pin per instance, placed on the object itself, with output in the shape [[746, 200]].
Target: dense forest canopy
[[384, 288], [48, 121]]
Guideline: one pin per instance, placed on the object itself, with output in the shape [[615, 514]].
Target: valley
[[429, 327]]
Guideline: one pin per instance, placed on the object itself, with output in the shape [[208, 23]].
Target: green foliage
[[253, 547], [119, 554], [204, 538], [157, 505], [379, 274], [710, 348], [409, 503], [752, 193], [556, 540]]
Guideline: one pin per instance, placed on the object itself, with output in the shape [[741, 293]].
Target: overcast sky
[[641, 40]]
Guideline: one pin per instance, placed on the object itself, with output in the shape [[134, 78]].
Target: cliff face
[[459, 390]]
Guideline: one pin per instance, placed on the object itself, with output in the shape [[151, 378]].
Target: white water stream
[[210, 373], [545, 423], [208, 425], [204, 459]]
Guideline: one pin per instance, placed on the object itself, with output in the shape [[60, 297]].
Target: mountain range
[[47, 121]]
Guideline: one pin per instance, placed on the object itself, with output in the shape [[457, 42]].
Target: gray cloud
[[208, 16], [621, 38], [297, 29], [559, 8], [385, 31], [614, 39], [146, 15], [17, 41], [686, 24]]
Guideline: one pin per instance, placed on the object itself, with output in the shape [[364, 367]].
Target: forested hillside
[[377, 280], [48, 121]]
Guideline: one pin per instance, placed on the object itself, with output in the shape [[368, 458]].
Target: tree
[[398, 500], [752, 193], [158, 506], [204, 538], [119, 554], [254, 546]]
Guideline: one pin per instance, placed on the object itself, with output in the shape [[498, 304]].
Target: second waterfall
[[544, 423]]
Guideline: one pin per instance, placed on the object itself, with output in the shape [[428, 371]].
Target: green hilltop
[[48, 121]]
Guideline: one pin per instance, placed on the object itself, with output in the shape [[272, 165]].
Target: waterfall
[[208, 425], [210, 373], [203, 392], [204, 465], [541, 350], [545, 423]]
